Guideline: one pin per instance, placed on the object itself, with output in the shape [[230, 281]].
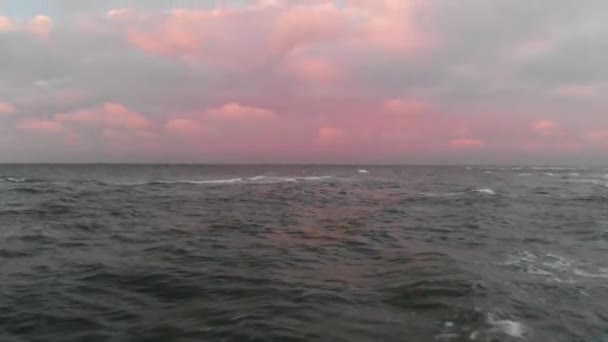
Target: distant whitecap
[[284, 179], [207, 181], [486, 191]]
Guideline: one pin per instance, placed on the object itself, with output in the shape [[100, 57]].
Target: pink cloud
[[40, 26], [179, 43], [6, 108], [406, 106], [466, 143], [184, 126], [235, 111], [393, 25], [41, 126], [277, 28], [110, 114], [119, 13], [179, 34], [544, 127], [576, 90], [302, 25], [6, 24], [331, 135], [600, 136], [269, 3], [310, 69]]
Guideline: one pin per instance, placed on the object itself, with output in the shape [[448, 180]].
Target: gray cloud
[[473, 75]]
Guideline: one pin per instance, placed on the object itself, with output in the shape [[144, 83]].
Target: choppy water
[[277, 253]]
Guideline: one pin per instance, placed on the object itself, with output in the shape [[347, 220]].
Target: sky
[[295, 81]]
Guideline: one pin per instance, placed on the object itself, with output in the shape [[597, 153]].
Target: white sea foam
[[590, 181], [525, 174], [252, 180], [601, 273], [499, 326], [550, 174], [257, 178], [575, 174], [486, 191], [538, 271], [206, 181], [489, 172], [276, 179], [556, 267], [314, 178], [451, 194], [362, 171], [13, 180], [556, 168], [507, 326], [520, 257], [270, 180], [557, 262], [219, 181]]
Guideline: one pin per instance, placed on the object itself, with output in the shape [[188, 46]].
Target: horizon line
[[298, 164]]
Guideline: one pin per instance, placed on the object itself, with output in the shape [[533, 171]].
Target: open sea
[[303, 253]]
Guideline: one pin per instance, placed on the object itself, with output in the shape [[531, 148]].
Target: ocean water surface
[[303, 253]]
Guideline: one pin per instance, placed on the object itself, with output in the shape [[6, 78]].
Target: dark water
[[270, 253]]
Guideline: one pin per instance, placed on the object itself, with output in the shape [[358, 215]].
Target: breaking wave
[[251, 180]]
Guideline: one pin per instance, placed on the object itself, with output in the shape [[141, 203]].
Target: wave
[[551, 265], [271, 180], [486, 191], [507, 326], [219, 181], [447, 194], [536, 168], [251, 180], [362, 171], [286, 179], [556, 168], [313, 178], [602, 273], [489, 326], [590, 181], [462, 193], [501, 168], [11, 179], [209, 181]]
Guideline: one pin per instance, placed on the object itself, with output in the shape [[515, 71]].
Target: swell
[[18, 180], [240, 180]]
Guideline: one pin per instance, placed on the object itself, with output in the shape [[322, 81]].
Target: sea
[[303, 253]]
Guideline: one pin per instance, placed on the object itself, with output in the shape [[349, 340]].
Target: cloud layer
[[355, 81]]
